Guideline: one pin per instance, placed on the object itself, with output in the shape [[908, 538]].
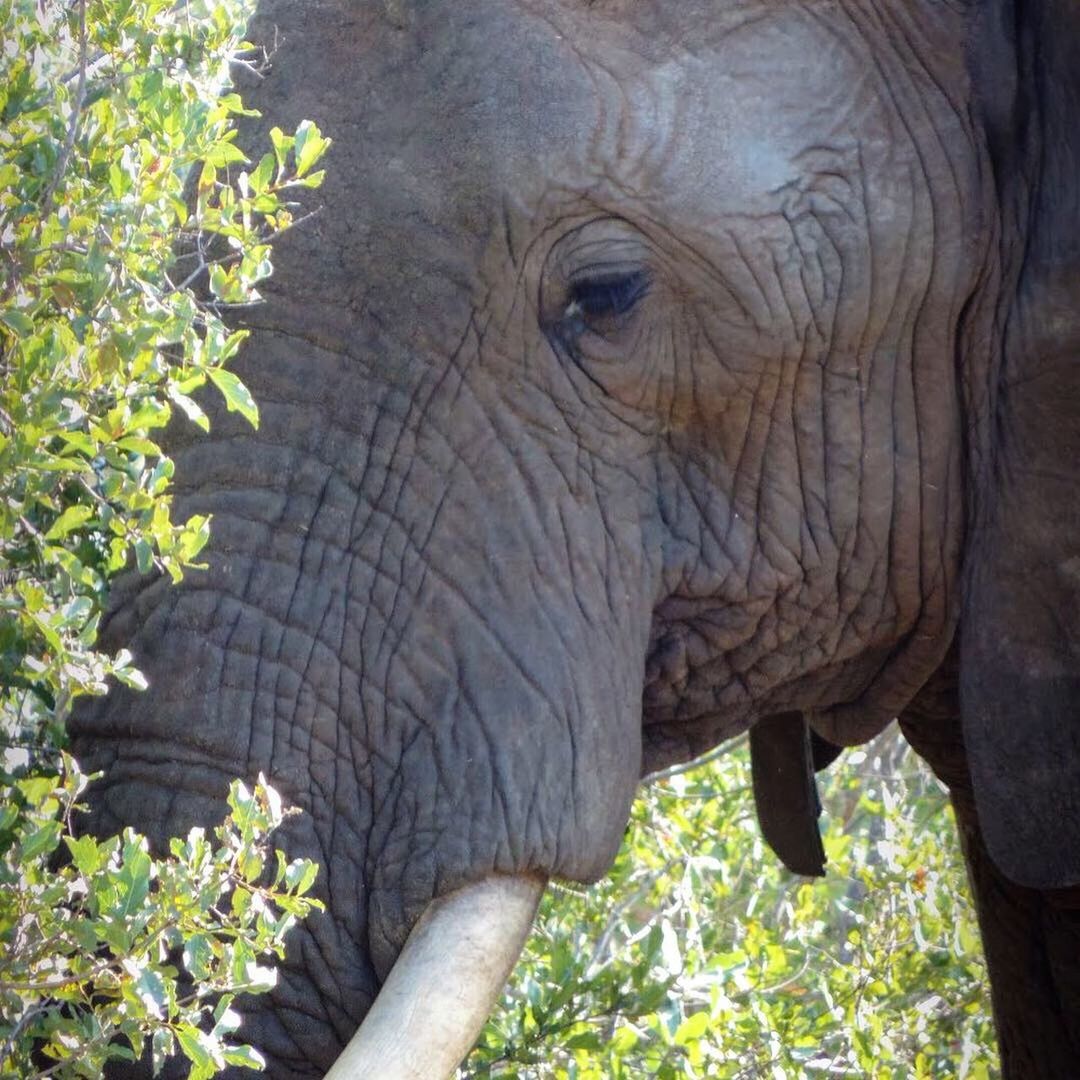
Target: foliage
[[93, 946], [110, 113], [701, 956]]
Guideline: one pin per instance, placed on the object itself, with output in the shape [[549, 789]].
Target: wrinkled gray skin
[[651, 368]]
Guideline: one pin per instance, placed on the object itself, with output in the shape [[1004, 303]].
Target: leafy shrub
[[701, 956], [108, 109]]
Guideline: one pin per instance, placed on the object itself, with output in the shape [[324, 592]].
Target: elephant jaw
[[444, 984]]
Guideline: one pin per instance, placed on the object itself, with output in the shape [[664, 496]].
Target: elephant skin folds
[[630, 386]]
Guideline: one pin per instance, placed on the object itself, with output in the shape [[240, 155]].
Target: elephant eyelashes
[[592, 301], [593, 323]]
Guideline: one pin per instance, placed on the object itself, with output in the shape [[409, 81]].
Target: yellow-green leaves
[[701, 957], [236, 395], [113, 298], [72, 517], [92, 976], [307, 146]]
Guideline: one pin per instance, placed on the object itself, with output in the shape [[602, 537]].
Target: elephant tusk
[[444, 984]]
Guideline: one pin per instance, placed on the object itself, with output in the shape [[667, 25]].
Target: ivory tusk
[[444, 984]]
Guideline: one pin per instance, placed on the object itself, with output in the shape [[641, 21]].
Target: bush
[[107, 111], [701, 956]]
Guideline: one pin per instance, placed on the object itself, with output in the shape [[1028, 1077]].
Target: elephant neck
[[1039, 380], [1025, 70], [1025, 443]]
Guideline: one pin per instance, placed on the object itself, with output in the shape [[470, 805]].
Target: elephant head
[[649, 370]]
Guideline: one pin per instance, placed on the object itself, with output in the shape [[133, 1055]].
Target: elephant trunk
[[445, 982], [427, 598], [418, 627]]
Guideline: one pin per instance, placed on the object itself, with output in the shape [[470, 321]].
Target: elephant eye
[[608, 296]]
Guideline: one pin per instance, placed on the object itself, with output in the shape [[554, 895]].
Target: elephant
[[651, 371]]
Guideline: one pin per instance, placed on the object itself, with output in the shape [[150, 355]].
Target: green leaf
[[36, 789], [85, 854], [314, 180], [41, 841], [199, 955], [246, 1057], [162, 1044], [207, 177], [144, 555], [130, 676], [193, 1043], [309, 146], [151, 991], [234, 105], [236, 395], [138, 445], [18, 321], [225, 153], [282, 144], [133, 880], [300, 875], [221, 282], [691, 1029], [189, 407], [263, 174], [70, 519], [151, 413], [79, 440]]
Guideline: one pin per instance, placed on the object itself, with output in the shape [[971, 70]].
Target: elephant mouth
[[444, 983]]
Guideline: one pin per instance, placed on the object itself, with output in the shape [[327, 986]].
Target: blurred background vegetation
[[702, 956]]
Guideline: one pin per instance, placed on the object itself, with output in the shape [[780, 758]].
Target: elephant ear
[[1020, 694], [1020, 624]]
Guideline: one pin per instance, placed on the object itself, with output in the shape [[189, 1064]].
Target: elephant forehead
[[464, 130], [714, 105]]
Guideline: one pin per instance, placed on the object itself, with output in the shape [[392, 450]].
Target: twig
[[16, 1031], [73, 124], [686, 766]]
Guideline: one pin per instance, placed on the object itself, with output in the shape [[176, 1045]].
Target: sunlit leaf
[[237, 396]]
